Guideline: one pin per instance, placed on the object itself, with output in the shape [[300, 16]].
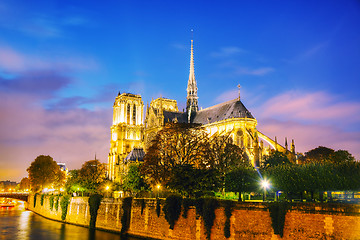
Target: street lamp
[[265, 184], [158, 188], [107, 188]]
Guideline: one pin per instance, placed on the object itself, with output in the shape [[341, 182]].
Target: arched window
[[134, 114], [128, 114], [239, 138]]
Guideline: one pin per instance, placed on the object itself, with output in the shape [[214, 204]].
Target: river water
[[16, 223]]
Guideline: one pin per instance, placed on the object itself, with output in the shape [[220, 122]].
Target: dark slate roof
[[181, 117], [231, 109], [137, 154]]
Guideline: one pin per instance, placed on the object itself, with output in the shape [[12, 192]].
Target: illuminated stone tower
[[192, 98], [126, 132]]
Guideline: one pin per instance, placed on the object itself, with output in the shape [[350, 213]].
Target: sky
[[62, 63]]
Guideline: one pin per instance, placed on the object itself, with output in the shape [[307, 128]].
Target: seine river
[[16, 223]]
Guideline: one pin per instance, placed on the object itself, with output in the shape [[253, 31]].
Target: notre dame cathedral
[[130, 133]]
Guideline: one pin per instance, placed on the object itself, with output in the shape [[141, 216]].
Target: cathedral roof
[[231, 109], [137, 154]]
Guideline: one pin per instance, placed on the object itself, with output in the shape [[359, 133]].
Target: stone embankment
[[248, 220]]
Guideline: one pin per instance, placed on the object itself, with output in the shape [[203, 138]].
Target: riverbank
[[247, 221]]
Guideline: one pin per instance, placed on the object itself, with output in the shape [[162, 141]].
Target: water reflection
[[17, 223]]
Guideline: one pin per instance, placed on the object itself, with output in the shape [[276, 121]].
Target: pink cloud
[[312, 119], [28, 130], [314, 107]]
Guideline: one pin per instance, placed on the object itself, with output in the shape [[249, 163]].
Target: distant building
[[129, 135]]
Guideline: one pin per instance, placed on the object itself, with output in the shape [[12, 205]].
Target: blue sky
[[63, 62]]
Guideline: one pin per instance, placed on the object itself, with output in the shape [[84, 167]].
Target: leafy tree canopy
[[133, 180], [241, 179], [323, 154], [45, 173], [92, 175], [190, 146], [275, 158], [24, 184]]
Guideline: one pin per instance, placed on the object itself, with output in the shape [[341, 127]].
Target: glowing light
[[265, 184], [158, 186], [107, 188]]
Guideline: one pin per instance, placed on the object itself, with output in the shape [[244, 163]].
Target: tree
[[241, 179], [73, 182], [193, 182], [175, 144], [92, 175], [190, 146], [319, 155], [274, 159], [24, 184], [327, 155], [134, 181], [45, 173]]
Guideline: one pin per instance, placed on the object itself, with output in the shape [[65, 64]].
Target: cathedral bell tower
[[127, 132], [192, 98]]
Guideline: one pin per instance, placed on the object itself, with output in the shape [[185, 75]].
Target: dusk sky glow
[[62, 64]]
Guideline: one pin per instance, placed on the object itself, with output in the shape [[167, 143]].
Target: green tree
[[193, 182], [189, 145], [134, 181], [241, 179], [175, 144], [45, 173], [92, 175], [274, 159], [24, 184], [319, 155]]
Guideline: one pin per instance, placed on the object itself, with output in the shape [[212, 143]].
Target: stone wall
[[248, 221]]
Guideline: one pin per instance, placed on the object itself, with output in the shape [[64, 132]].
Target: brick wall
[[248, 221]]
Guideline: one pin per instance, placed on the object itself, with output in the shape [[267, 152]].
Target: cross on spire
[[239, 90]]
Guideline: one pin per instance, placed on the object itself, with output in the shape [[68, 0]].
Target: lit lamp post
[[265, 184], [107, 190], [158, 189]]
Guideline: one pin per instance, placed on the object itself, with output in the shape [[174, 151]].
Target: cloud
[[14, 61], [310, 136], [227, 52], [179, 46], [255, 72], [311, 107], [310, 52], [71, 135], [35, 82], [313, 119]]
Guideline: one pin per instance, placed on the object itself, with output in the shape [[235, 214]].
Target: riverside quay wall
[[248, 220]]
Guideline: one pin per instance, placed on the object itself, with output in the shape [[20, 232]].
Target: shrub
[[57, 203], [125, 218], [142, 202], [94, 203], [42, 199], [277, 213], [51, 201], [187, 202], [65, 200], [199, 202], [172, 209], [228, 208], [209, 206], [35, 199]]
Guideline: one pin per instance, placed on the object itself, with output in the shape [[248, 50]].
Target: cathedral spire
[[192, 98]]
